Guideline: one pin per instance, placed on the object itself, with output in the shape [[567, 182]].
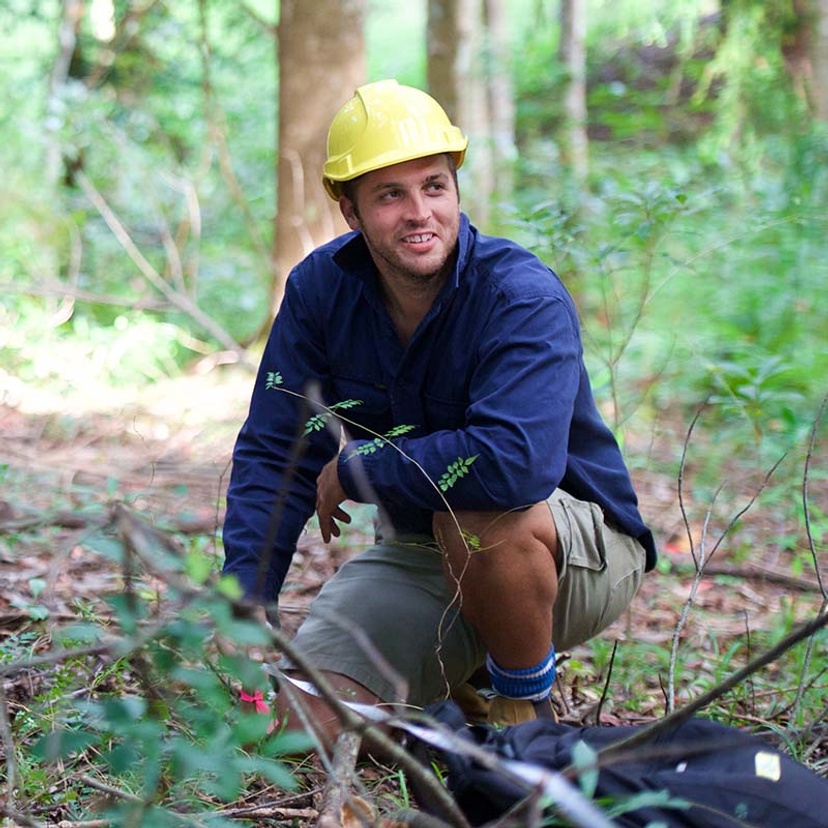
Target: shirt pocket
[[363, 403], [443, 414]]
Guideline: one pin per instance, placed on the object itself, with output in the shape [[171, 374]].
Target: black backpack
[[709, 775]]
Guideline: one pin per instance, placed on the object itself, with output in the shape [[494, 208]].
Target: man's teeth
[[422, 237]]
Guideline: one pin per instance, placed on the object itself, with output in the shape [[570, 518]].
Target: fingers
[[329, 527], [329, 496]]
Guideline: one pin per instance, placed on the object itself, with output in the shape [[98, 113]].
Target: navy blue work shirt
[[488, 407]]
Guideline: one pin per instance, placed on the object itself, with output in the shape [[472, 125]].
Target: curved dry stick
[[690, 709], [703, 557], [806, 508], [7, 740], [806, 477], [179, 300]]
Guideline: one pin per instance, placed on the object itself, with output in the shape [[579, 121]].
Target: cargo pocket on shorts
[[580, 526], [583, 570]]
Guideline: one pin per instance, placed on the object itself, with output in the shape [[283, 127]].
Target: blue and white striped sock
[[531, 683]]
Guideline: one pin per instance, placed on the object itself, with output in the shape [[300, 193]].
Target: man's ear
[[349, 212]]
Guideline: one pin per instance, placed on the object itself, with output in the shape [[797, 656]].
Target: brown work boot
[[475, 706], [504, 711]]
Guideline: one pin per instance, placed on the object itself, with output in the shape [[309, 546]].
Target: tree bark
[[575, 143], [819, 59], [501, 98], [457, 79], [321, 62], [443, 27], [71, 17]]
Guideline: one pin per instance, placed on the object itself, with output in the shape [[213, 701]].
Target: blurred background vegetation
[[144, 235], [140, 193]]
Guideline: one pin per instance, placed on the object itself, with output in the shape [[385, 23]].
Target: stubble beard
[[395, 268], [417, 279]]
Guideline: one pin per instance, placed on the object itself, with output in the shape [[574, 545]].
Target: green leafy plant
[[457, 469], [273, 379], [180, 733], [318, 421]]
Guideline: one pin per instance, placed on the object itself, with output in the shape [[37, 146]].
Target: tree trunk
[[501, 98], [71, 17], [819, 59], [321, 62], [575, 143], [443, 27], [456, 78]]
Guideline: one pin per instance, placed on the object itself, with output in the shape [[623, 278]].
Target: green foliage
[[457, 469], [696, 252], [132, 348], [318, 421], [757, 386], [387, 26], [372, 446], [176, 734], [691, 292], [754, 97], [145, 119]]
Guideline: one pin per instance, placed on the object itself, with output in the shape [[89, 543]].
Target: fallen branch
[[682, 714], [684, 565], [76, 520], [337, 800]]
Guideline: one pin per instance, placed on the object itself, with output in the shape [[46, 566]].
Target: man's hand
[[329, 494]]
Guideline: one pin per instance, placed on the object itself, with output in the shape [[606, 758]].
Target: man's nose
[[419, 208]]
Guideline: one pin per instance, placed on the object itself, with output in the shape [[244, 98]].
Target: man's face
[[409, 215]]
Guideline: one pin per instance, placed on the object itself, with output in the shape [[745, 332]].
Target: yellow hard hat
[[386, 123]]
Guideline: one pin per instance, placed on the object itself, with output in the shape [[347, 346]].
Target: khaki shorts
[[387, 619]]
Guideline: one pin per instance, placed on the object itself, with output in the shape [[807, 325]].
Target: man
[[508, 525]]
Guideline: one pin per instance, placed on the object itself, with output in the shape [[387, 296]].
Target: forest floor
[[165, 450]]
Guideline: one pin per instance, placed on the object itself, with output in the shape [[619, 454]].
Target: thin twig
[[701, 558], [806, 504], [691, 708], [7, 740], [109, 790], [178, 299], [806, 507], [605, 691]]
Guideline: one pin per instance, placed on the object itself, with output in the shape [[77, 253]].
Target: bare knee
[[489, 555], [299, 708], [464, 534], [503, 570]]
